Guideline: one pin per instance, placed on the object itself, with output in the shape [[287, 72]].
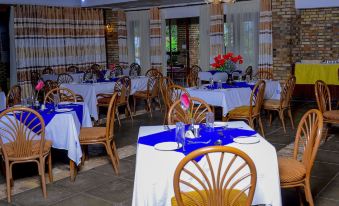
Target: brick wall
[[112, 47]]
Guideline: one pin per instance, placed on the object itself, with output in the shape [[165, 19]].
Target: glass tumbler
[[210, 121], [180, 134]]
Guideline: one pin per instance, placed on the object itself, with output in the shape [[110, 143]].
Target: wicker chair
[[64, 79], [198, 109], [192, 79], [49, 85], [229, 180], [118, 71], [22, 140], [123, 88], [324, 101], [252, 112], [296, 171], [195, 69], [103, 135], [152, 93], [35, 77], [284, 103], [264, 75], [93, 70], [13, 96], [249, 72], [48, 70], [65, 95], [95, 67], [174, 93], [135, 69], [154, 73], [165, 82], [72, 69]]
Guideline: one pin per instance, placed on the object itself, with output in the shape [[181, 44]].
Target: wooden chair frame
[[153, 72], [72, 69], [135, 67], [65, 95], [165, 83], [13, 96], [264, 75], [118, 71], [48, 70], [324, 101], [64, 78], [214, 187]]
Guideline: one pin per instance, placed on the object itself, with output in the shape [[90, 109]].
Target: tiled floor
[[100, 186]]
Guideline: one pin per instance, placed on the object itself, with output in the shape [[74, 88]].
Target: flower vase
[[229, 79]]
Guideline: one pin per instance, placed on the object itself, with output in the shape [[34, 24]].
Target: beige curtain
[[155, 39], [216, 30], [122, 39], [56, 37], [265, 37]]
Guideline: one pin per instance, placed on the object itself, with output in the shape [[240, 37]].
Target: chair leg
[[50, 172], [41, 165], [308, 193], [291, 118], [110, 153], [115, 153], [117, 115], [149, 104], [251, 123], [134, 104], [261, 127], [270, 116], [8, 182], [281, 115], [159, 102], [129, 111], [299, 196]]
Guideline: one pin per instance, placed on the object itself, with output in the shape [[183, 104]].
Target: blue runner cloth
[[207, 138], [227, 86], [213, 72], [103, 80]]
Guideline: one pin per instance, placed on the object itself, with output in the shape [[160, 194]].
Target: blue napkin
[[214, 71], [227, 86]]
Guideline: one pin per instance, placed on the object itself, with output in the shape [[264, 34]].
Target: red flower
[[185, 101], [241, 61], [234, 59], [40, 85]]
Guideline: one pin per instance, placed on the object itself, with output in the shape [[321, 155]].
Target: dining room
[[169, 102]]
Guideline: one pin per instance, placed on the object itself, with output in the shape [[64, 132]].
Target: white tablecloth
[[77, 77], [89, 91], [2, 100], [231, 98], [205, 76], [153, 183]]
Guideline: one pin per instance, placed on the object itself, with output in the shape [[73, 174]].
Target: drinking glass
[[180, 134], [56, 100], [24, 102], [94, 78], [210, 121], [219, 84]]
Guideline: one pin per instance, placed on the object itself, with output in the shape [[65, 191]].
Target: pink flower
[[185, 101], [40, 85]]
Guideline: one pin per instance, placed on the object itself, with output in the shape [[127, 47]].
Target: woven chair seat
[[291, 170], [141, 94], [271, 104], [333, 114], [92, 133], [35, 148], [242, 111], [194, 196]]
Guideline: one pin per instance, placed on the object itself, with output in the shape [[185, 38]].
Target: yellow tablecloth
[[310, 73]]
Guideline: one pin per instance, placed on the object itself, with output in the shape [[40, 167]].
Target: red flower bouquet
[[227, 63]]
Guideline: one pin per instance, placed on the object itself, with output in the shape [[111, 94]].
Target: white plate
[[219, 124], [167, 146], [246, 140], [63, 110]]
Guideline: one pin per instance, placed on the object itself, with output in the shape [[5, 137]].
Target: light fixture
[[109, 28], [220, 1]]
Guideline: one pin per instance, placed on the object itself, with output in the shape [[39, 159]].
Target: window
[[137, 42], [171, 43]]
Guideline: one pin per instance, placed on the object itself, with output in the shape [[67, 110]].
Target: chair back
[[323, 96], [72, 69], [123, 89], [174, 93], [224, 176], [164, 84], [49, 85], [192, 79], [95, 67], [35, 77], [118, 71], [135, 69], [197, 110], [13, 96], [110, 117], [79, 98], [195, 69], [21, 129], [153, 72], [64, 94], [308, 137], [264, 75], [248, 71], [153, 86], [64, 79], [287, 92], [257, 98], [48, 70]]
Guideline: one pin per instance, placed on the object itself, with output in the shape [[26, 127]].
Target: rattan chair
[[72, 69], [22, 140], [35, 77], [64, 79], [174, 93], [264, 75], [283, 104], [152, 93], [195, 69], [252, 112], [192, 79], [95, 67], [123, 88], [135, 69], [249, 72], [103, 135], [154, 73], [13, 96], [296, 171], [48, 70], [324, 101], [198, 109], [118, 70], [64, 94], [165, 83], [49, 85], [93, 70], [225, 176]]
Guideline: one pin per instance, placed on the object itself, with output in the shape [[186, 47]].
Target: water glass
[[180, 134], [210, 121], [56, 100], [24, 102], [219, 84]]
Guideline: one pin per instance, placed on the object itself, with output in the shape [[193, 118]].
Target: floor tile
[[83, 200], [326, 202], [331, 191]]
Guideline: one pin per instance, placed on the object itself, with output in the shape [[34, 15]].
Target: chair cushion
[[240, 111], [195, 195], [333, 114], [92, 133], [290, 170], [35, 148], [271, 103]]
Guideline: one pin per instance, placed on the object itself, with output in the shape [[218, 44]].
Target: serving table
[[89, 91], [154, 172]]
